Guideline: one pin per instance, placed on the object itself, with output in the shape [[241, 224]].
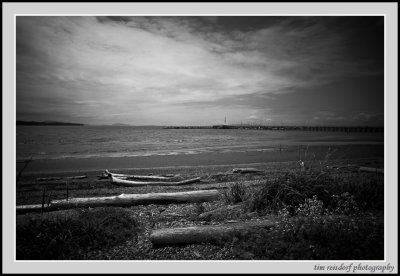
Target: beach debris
[[130, 176], [77, 177], [60, 178], [247, 170], [125, 200], [204, 233], [123, 179], [170, 175], [30, 208], [130, 183], [368, 169], [48, 178]]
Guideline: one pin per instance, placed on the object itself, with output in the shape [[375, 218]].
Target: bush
[[71, 238]]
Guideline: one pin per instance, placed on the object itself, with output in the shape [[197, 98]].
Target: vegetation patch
[[348, 194], [314, 233], [235, 194], [66, 237], [322, 215]]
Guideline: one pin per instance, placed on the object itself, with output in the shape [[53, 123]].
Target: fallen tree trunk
[[247, 170], [132, 183], [368, 169], [125, 200], [199, 234], [21, 209], [151, 177]]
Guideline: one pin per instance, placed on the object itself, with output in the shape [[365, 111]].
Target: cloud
[[253, 117], [362, 116], [366, 118], [136, 65]]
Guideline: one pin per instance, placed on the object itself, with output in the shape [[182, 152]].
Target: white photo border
[[10, 10]]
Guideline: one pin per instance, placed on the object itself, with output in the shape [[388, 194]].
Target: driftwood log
[[150, 177], [247, 170], [124, 200], [77, 177], [131, 183], [199, 234], [368, 169]]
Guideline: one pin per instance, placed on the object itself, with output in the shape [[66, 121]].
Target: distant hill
[[46, 123], [119, 124]]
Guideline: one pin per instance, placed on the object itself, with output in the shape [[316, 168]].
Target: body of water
[[57, 142]]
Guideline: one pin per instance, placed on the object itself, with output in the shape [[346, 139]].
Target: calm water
[[55, 142]]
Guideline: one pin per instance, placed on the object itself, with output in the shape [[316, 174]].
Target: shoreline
[[208, 150], [288, 153]]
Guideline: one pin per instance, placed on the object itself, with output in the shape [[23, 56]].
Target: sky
[[197, 70]]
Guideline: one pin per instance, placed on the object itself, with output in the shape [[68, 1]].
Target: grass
[[70, 237], [292, 188], [314, 233], [235, 194], [322, 216]]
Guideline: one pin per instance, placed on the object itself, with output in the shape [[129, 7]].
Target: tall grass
[[292, 188], [235, 194]]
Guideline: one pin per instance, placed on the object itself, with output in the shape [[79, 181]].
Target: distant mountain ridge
[[46, 123]]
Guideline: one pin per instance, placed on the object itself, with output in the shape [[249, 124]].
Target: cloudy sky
[[197, 70]]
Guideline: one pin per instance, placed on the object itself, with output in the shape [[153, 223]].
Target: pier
[[366, 129]]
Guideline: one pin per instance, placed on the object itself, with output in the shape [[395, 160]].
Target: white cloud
[[136, 65]]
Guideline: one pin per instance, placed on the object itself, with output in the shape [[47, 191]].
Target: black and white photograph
[[188, 137]]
